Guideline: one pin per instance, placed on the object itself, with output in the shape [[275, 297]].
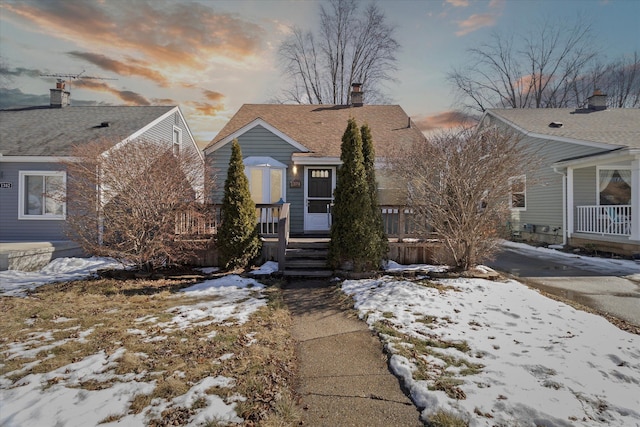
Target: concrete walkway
[[343, 373]]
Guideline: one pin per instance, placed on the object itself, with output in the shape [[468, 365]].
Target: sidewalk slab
[[344, 377]]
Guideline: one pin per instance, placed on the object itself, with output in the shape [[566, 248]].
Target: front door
[[319, 187]]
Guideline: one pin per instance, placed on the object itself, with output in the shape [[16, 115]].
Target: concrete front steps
[[307, 258]]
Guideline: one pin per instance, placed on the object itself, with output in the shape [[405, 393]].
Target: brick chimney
[[59, 97], [357, 95], [597, 101]]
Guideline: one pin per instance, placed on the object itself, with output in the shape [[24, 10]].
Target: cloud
[[444, 120], [10, 98], [458, 3], [164, 33], [133, 67], [475, 22], [127, 96], [17, 72], [205, 108], [213, 95]]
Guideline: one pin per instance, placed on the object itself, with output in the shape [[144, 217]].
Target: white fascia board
[[316, 161], [598, 159], [248, 127], [552, 137], [34, 159], [193, 140]]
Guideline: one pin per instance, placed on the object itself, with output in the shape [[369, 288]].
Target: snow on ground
[[17, 283], [54, 398], [545, 363], [604, 266]]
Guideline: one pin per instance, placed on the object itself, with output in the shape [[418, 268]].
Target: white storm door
[[318, 195]]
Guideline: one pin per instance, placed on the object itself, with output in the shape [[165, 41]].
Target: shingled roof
[[619, 127], [45, 131], [320, 127]]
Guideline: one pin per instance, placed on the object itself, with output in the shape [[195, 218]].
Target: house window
[[266, 179], [41, 195], [518, 192], [614, 186], [177, 140]]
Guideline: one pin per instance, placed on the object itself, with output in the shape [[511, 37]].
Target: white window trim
[[598, 169], [174, 142], [524, 192], [266, 164], [21, 193]]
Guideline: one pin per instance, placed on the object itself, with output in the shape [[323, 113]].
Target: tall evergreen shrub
[[369, 156], [352, 232], [237, 239]]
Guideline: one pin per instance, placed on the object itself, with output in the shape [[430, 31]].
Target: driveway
[[609, 286]]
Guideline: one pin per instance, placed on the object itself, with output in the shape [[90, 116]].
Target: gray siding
[[259, 142], [544, 186], [14, 229], [584, 186], [11, 228]]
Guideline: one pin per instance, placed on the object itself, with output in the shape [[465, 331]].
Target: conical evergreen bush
[[237, 239], [353, 238], [369, 156]]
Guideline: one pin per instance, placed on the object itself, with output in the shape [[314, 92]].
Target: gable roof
[[319, 128], [612, 128], [45, 131]]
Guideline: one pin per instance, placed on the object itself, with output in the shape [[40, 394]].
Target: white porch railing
[[612, 220]]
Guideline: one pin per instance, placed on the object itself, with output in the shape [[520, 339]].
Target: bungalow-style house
[[291, 153], [33, 140], [587, 191]]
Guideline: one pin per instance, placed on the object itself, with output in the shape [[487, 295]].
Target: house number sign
[[5, 185]]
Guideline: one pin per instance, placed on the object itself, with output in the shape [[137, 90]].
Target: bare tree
[[459, 184], [348, 48], [620, 80], [122, 200], [533, 71]]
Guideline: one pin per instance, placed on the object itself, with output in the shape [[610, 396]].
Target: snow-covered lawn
[[65, 396], [17, 283], [501, 354]]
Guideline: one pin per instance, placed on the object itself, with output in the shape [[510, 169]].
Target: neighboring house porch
[[603, 200]]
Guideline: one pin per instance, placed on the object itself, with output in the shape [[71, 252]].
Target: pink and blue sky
[[212, 56]]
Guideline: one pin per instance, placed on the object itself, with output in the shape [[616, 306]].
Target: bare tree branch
[[349, 47]]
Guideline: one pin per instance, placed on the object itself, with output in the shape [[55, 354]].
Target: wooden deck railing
[[399, 222], [283, 236]]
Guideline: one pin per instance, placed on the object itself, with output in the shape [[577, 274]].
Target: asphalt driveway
[[608, 286]]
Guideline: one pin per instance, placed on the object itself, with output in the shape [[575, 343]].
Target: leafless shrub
[[122, 200], [460, 184]]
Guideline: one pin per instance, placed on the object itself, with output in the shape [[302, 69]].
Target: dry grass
[[88, 317]]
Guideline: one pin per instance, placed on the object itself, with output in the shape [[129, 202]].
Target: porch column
[[635, 200], [570, 209]]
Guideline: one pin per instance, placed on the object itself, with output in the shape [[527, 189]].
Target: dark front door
[[320, 183]]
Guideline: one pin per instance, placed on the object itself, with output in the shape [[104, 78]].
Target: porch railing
[[401, 222], [611, 220]]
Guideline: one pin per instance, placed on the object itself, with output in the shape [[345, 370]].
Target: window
[[41, 195], [177, 140], [518, 185], [266, 179], [614, 186]]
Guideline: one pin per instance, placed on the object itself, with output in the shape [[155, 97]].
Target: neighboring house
[[587, 191], [291, 153], [33, 141]]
